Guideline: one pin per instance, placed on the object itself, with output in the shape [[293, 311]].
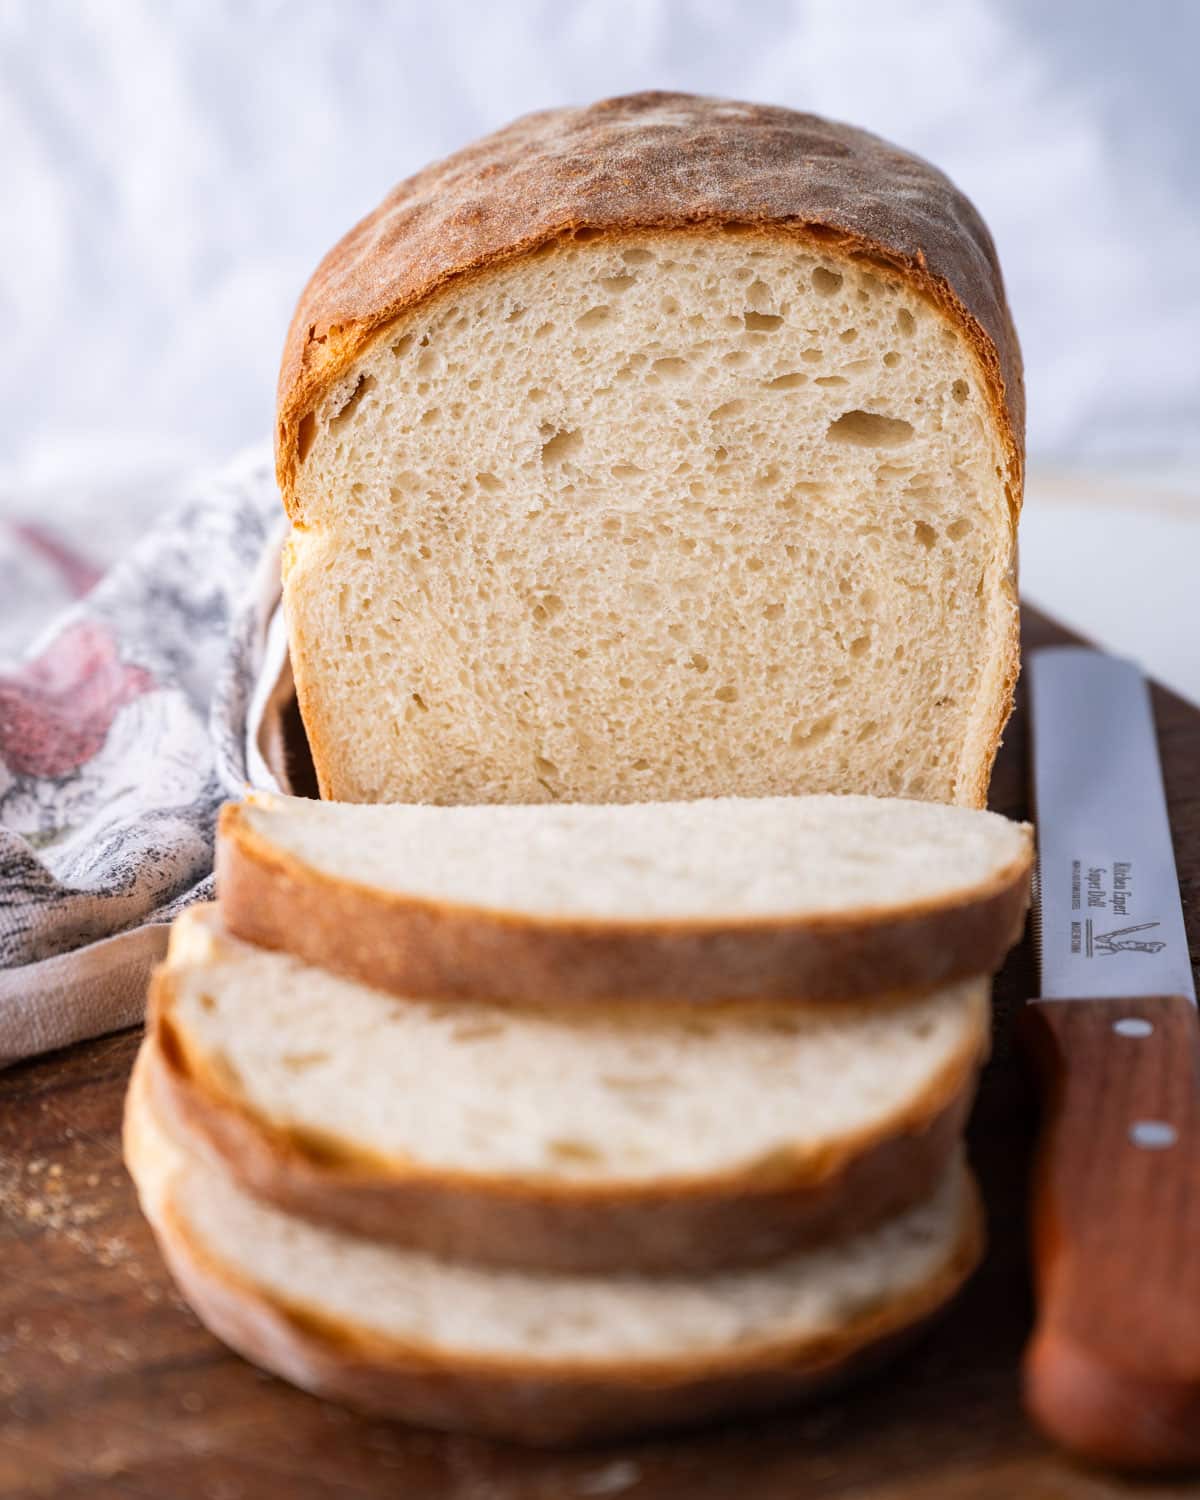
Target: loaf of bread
[[717, 899], [666, 448], [641, 1139], [518, 1354]]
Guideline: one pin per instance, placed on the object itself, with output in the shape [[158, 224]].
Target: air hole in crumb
[[297, 1062], [830, 380], [564, 1149], [617, 283], [698, 662], [587, 233], [826, 282], [773, 612], [560, 446], [625, 471], [726, 409], [848, 335], [870, 429], [891, 359], [959, 390], [726, 694], [925, 534], [860, 645], [757, 322], [786, 382], [544, 767], [364, 385], [671, 365], [813, 356], [207, 1002], [758, 294], [635, 256], [420, 702], [543, 330], [670, 306], [641, 765], [594, 316], [402, 345], [905, 322], [487, 481], [546, 608], [958, 529], [804, 736], [305, 434]]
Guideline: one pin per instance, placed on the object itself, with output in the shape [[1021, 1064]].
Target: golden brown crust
[[523, 1400], [410, 946], [652, 160], [544, 1410], [682, 1226]]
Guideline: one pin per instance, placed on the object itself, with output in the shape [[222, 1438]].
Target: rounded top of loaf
[[652, 160]]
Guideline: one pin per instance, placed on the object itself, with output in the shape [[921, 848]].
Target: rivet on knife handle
[[1113, 1369]]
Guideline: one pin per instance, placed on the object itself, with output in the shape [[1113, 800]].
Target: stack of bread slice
[[556, 1122]]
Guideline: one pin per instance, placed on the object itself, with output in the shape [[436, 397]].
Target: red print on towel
[[56, 710]]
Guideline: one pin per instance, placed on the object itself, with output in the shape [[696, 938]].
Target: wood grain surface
[[109, 1387]]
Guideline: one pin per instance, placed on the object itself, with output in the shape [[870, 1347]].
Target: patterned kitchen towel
[[121, 732]]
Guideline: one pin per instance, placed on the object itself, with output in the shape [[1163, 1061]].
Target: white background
[[173, 171]]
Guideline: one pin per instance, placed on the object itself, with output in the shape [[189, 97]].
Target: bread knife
[[1112, 1370]]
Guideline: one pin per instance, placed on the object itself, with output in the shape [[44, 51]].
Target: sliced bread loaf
[[644, 1138], [795, 898], [540, 1358], [670, 447]]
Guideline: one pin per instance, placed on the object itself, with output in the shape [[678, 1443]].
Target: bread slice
[[540, 1358], [600, 1140], [670, 447], [775, 899]]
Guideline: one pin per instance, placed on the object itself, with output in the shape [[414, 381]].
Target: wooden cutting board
[[109, 1387]]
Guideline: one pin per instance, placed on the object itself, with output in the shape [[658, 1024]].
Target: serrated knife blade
[[1107, 915], [1113, 1368]]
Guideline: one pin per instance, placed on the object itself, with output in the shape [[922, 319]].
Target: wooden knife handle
[[1113, 1369]]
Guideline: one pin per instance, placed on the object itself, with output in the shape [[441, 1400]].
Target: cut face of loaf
[[666, 514], [787, 899], [529, 1356], [642, 1138]]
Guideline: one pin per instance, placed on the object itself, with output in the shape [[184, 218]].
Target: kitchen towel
[[121, 732]]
